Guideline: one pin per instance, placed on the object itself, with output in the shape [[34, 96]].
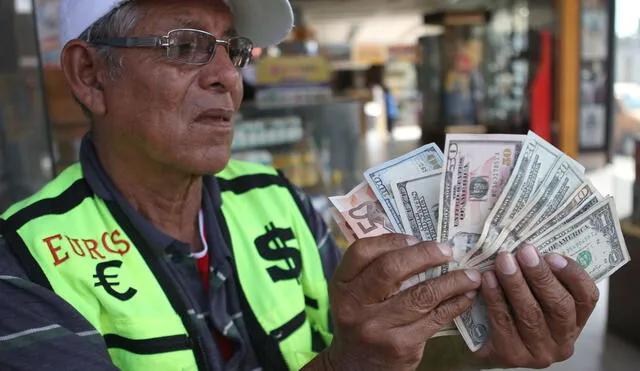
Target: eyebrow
[[231, 32]]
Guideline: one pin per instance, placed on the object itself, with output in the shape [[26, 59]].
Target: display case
[[25, 153], [317, 146]]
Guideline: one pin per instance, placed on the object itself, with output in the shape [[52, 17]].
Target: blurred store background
[[361, 81]]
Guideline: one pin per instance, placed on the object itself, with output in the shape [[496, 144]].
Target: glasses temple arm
[[129, 42]]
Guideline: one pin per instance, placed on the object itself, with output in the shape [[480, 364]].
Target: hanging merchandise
[[595, 89]]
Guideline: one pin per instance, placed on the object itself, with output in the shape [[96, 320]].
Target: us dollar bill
[[580, 202], [547, 227], [380, 177], [473, 324], [559, 185], [417, 200], [476, 170], [534, 164], [594, 240]]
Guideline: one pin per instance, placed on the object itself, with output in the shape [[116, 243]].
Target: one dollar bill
[[594, 240], [579, 203]]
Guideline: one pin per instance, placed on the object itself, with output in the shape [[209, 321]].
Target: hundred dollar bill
[[380, 177], [594, 240], [473, 324], [476, 169], [533, 165], [559, 185], [580, 202], [362, 211], [417, 200]]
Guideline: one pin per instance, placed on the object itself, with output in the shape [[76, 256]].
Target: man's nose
[[220, 73]]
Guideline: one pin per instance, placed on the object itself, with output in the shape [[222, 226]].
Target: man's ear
[[84, 71]]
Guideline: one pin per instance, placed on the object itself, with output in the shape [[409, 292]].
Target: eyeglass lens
[[194, 47]]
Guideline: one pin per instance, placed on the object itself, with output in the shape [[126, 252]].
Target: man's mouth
[[219, 117]]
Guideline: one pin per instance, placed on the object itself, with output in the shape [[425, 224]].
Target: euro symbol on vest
[[273, 246], [104, 280]]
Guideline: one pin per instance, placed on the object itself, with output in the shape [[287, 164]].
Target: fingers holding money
[[532, 315], [582, 288], [427, 300], [556, 302], [384, 276], [443, 314], [528, 316], [504, 346], [365, 251], [373, 333]]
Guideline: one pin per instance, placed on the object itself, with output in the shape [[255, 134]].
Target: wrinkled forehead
[[160, 16]]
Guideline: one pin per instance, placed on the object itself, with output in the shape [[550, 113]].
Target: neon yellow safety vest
[[86, 251]]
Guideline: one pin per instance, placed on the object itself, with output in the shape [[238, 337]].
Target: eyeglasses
[[188, 46]]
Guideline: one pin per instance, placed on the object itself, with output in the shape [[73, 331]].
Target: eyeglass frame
[[163, 42]]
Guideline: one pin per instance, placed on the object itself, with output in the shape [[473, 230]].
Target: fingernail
[[528, 256], [556, 261], [411, 240], [471, 294], [473, 275], [507, 264], [490, 279], [446, 249]]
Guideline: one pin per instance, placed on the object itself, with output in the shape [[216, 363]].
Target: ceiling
[[372, 21]]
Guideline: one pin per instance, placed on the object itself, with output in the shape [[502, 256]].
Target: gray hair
[[117, 23]]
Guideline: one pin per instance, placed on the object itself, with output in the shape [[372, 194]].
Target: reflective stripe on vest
[[69, 239]]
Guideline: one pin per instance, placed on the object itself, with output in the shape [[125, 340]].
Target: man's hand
[[536, 308], [377, 330]]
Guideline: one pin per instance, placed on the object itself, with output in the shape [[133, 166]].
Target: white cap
[[265, 22]]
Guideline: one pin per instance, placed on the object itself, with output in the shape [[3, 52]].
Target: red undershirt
[[225, 345]]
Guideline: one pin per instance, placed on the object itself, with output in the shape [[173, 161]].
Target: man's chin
[[211, 167], [208, 165]]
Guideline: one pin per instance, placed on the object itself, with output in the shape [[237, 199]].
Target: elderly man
[[156, 252]]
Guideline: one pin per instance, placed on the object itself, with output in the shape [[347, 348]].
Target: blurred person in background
[[158, 252], [375, 80]]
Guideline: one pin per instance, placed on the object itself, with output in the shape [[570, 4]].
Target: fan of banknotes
[[487, 193]]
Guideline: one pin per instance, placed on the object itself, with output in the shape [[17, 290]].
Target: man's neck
[[169, 199]]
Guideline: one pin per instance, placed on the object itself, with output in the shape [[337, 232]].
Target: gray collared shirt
[[38, 330]]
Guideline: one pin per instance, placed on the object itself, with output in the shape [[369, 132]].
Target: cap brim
[[265, 22]]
